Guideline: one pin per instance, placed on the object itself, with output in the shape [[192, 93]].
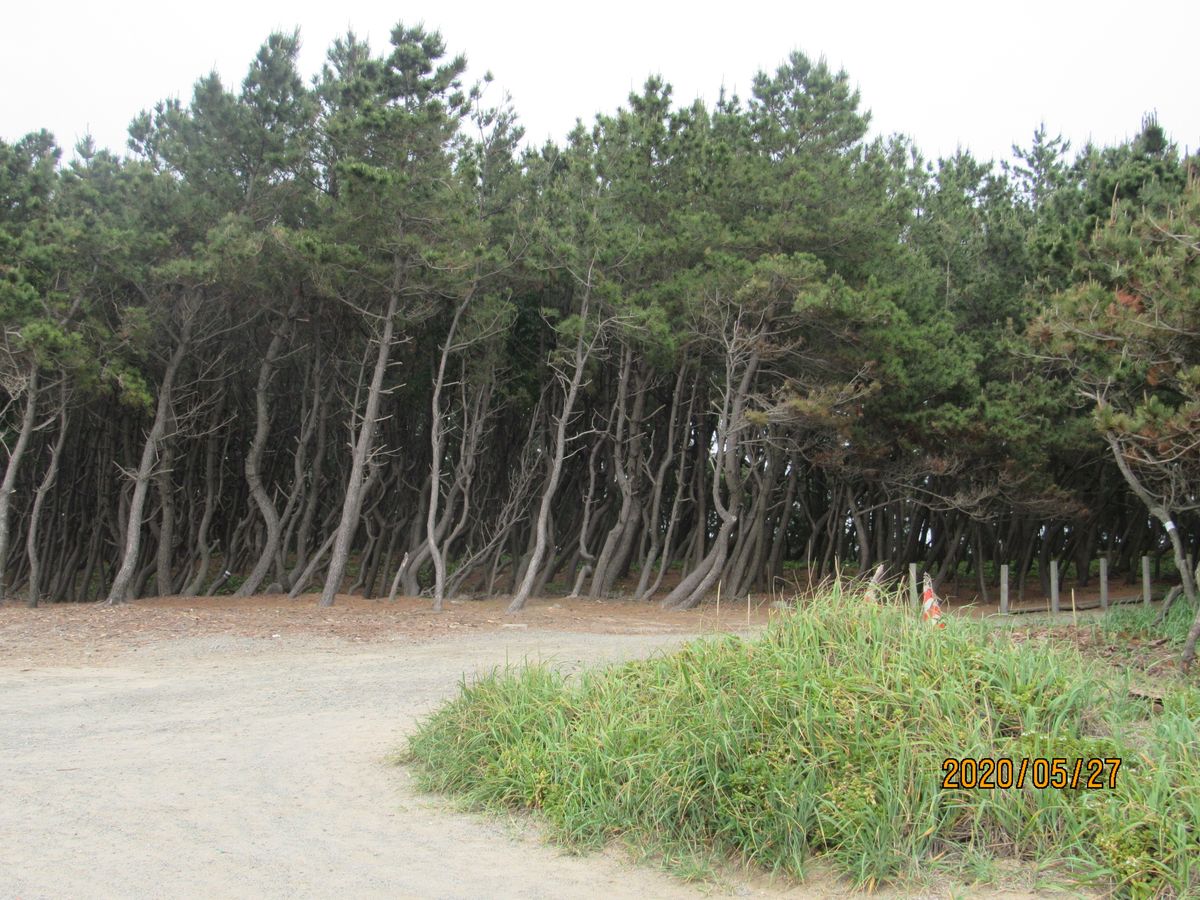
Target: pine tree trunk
[[582, 351], [437, 448], [692, 589], [1160, 512], [202, 543], [35, 515], [164, 553], [10, 471], [352, 504], [123, 580], [262, 422]]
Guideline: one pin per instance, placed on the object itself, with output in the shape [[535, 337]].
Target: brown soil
[[97, 633]]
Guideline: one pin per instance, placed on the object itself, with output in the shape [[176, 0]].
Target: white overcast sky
[[968, 73]]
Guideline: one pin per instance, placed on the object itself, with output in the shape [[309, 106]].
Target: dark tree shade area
[[352, 336]]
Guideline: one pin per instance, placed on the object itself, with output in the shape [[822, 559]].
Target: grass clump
[[824, 737], [1143, 622]]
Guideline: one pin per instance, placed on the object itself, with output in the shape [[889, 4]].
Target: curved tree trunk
[[437, 433], [1160, 512], [312, 498], [10, 471], [583, 350], [779, 541], [624, 468], [352, 504], [262, 424], [692, 589], [122, 581], [202, 543], [35, 584]]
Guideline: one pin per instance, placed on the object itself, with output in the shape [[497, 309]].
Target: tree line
[[353, 335]]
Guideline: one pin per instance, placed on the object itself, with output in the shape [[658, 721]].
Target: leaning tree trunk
[[35, 515], [1163, 515], [192, 588], [583, 349], [141, 485], [312, 498], [585, 556], [779, 539], [437, 448], [658, 479], [164, 555], [352, 504], [14, 462], [603, 576], [692, 589], [262, 424]]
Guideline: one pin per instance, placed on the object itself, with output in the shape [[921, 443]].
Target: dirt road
[[239, 748], [220, 766]]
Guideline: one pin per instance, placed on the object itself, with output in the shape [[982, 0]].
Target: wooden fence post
[[912, 584], [1146, 580], [1104, 582], [1054, 585], [1004, 590]]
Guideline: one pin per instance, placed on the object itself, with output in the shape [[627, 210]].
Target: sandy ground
[[226, 749], [209, 764]]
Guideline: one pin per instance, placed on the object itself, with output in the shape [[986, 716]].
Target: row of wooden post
[[1055, 604]]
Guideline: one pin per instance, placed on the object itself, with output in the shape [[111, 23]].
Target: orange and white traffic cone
[[931, 610]]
